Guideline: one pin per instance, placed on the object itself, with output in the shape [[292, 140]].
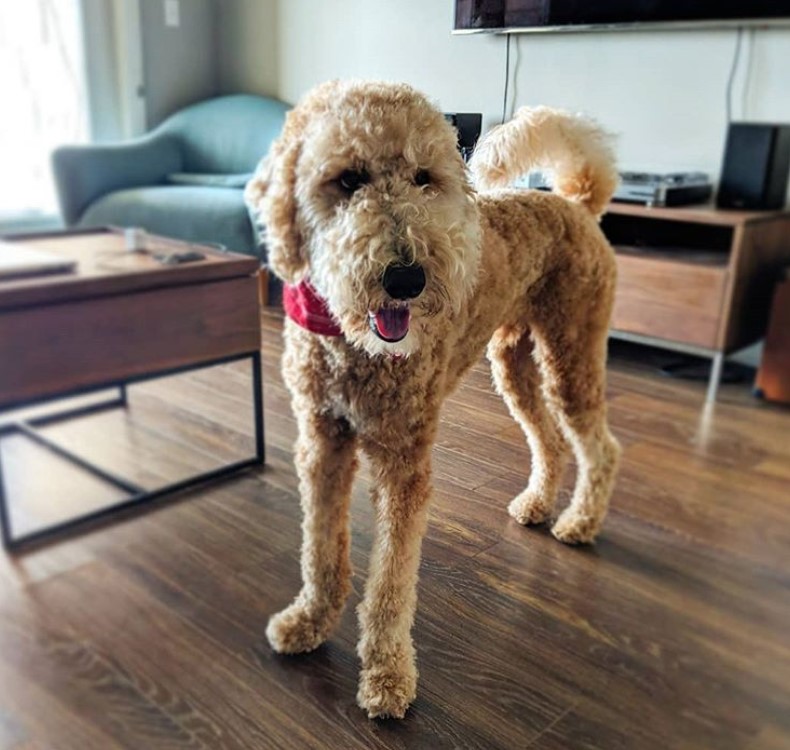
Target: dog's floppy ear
[[271, 197]]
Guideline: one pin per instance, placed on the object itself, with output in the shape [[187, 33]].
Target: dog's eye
[[351, 179], [423, 177]]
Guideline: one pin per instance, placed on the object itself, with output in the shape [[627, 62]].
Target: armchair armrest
[[85, 173]]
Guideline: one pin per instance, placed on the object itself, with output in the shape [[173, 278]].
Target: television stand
[[695, 279]]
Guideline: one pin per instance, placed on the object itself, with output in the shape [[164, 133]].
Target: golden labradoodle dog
[[398, 276]]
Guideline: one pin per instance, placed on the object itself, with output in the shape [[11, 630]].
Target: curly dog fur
[[527, 274]]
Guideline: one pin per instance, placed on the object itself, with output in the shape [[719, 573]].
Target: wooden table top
[[697, 213], [105, 267]]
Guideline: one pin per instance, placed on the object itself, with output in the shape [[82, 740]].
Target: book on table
[[18, 260]]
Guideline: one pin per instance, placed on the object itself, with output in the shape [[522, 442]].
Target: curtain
[[43, 91]]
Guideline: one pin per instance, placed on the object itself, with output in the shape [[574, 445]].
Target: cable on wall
[[507, 78], [514, 96], [733, 70], [747, 72]]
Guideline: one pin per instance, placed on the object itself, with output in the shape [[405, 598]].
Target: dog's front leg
[[388, 681], [326, 460]]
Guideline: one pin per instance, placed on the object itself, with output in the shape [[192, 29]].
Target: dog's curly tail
[[575, 149]]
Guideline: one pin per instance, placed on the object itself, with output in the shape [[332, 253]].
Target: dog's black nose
[[403, 282]]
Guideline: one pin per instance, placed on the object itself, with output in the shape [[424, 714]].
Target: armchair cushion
[[197, 214], [210, 180]]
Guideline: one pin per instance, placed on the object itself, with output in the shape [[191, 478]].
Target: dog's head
[[365, 194]]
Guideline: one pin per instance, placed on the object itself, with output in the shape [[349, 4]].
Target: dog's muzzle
[[402, 283]]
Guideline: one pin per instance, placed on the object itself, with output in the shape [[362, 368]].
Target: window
[[42, 81]]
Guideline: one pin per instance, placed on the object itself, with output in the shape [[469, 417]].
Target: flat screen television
[[583, 15]]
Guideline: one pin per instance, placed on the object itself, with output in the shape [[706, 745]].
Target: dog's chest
[[379, 396]]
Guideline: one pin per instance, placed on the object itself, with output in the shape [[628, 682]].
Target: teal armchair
[[185, 179]]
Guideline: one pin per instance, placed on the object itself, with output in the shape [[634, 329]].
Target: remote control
[[175, 259]]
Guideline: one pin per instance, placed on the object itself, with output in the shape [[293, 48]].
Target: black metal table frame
[[139, 496]]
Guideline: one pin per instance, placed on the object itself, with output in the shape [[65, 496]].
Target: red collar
[[306, 307]]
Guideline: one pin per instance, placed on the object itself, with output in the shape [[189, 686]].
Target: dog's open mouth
[[390, 324]]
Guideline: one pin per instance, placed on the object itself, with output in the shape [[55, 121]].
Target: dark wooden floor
[[672, 632]]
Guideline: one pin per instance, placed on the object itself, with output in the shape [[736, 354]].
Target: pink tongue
[[392, 322]]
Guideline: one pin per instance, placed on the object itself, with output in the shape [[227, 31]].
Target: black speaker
[[468, 126], [756, 164]]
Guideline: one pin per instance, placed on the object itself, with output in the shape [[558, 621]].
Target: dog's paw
[[572, 528], [529, 509], [296, 630], [387, 693]]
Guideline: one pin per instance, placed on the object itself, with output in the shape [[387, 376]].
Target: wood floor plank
[[34, 719], [712, 504], [701, 663]]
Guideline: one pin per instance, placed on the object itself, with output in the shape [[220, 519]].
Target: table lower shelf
[[134, 494]]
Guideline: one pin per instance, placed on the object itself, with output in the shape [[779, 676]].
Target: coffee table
[[120, 318]]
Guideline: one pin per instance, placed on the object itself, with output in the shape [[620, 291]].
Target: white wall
[[663, 93], [247, 46], [180, 63]]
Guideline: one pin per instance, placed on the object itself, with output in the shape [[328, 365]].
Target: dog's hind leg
[[572, 361], [518, 380], [325, 462]]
